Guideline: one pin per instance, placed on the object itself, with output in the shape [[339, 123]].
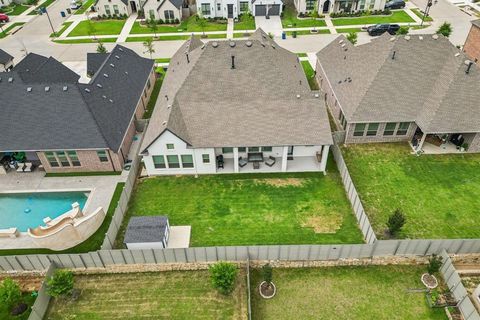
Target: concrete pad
[[179, 237], [272, 25]]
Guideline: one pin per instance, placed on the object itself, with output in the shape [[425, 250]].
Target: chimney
[[393, 55], [470, 63], [233, 62]]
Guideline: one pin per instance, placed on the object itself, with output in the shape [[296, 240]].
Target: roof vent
[[248, 43], [65, 88], [104, 97], [233, 62], [203, 46], [87, 90], [117, 57], [420, 38], [99, 85], [214, 44], [112, 65], [29, 89], [47, 89], [298, 96], [469, 65], [120, 48], [393, 55], [105, 75], [316, 95], [164, 123], [0, 79], [407, 38], [169, 106], [111, 101], [10, 79], [343, 45], [349, 79], [435, 37], [457, 54], [341, 41], [263, 44], [392, 39], [126, 72], [232, 44], [273, 46]]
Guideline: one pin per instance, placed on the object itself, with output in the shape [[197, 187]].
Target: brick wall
[[88, 159], [473, 140], [328, 96], [379, 137], [472, 44]]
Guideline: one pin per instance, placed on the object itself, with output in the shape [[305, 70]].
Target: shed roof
[[146, 229]]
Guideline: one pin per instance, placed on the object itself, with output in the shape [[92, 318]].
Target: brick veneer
[[472, 44], [379, 137]]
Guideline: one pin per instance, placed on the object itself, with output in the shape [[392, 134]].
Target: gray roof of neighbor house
[[54, 115], [95, 61], [264, 100], [146, 229], [176, 3], [405, 78], [5, 57], [39, 69]]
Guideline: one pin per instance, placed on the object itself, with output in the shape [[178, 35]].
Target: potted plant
[[267, 289], [434, 265], [464, 147]]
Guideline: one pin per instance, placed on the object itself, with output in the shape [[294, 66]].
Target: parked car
[[395, 4], [379, 29], [4, 18], [74, 5]]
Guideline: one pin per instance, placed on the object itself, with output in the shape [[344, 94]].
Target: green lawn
[[14, 9], [154, 96], [249, 209], [83, 174], [396, 17], [310, 73], [439, 194], [290, 20], [91, 244], [26, 298], [162, 60], [98, 28], [360, 293], [246, 22], [302, 54], [159, 295], [307, 32], [241, 35], [44, 4], [6, 31], [64, 27], [188, 25], [77, 41], [348, 30], [172, 38], [87, 4], [420, 15]]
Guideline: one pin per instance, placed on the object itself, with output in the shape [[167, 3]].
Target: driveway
[[272, 25]]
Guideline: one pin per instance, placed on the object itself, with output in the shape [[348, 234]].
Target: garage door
[[274, 10], [260, 10]]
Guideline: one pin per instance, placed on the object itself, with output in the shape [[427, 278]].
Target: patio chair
[[242, 162], [270, 161], [28, 167], [21, 166]]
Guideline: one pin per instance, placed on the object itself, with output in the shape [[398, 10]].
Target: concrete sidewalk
[[127, 27], [230, 27]]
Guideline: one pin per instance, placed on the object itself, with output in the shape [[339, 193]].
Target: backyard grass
[[98, 28], [154, 95], [91, 244], [246, 22], [6, 31], [87, 4], [419, 14], [250, 209], [302, 54], [360, 293], [310, 73], [160, 295], [162, 60], [26, 298], [14, 9], [77, 41], [188, 25], [290, 20], [64, 27], [82, 174], [439, 194], [396, 17]]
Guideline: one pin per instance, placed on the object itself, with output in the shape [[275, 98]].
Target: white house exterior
[[331, 6], [166, 10], [234, 8], [117, 7], [269, 122]]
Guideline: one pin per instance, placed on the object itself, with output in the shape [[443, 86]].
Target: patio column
[[284, 158], [235, 160], [420, 145], [323, 162]]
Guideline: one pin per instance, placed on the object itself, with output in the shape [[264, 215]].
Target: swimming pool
[[27, 210]]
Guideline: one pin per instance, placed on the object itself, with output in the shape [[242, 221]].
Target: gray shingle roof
[[146, 229], [72, 118], [213, 105], [425, 82], [38, 69], [5, 57], [176, 3], [95, 61]]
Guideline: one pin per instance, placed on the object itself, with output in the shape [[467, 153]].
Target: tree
[[101, 48], [352, 37], [223, 275], [315, 14], [403, 30], [148, 44], [445, 29], [202, 23], [434, 264], [153, 25], [10, 292], [267, 274], [395, 222], [61, 283]]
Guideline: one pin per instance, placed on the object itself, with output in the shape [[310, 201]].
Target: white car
[[74, 5]]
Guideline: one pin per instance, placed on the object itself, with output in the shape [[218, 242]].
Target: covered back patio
[[442, 143]]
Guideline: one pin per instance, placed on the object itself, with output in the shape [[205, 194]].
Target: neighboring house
[[234, 8], [331, 6], [472, 44], [67, 126], [117, 7], [420, 89], [147, 232], [6, 61], [166, 10], [236, 106]]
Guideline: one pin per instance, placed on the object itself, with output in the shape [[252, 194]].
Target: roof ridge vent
[[232, 44], [407, 38], [87, 90], [29, 89], [215, 44], [248, 43], [435, 37], [47, 88], [65, 88], [99, 85]]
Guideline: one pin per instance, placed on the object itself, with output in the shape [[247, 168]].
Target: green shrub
[[445, 29], [434, 264], [403, 30], [223, 275], [267, 273], [61, 283], [395, 222], [10, 292], [352, 37]]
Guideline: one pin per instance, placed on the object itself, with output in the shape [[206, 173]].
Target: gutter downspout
[[111, 160]]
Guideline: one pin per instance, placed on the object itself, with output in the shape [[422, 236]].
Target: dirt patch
[[323, 224], [294, 182], [27, 283]]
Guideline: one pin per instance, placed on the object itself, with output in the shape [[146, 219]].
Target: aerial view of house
[[234, 8]]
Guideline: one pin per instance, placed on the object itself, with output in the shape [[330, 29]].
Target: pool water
[[27, 210]]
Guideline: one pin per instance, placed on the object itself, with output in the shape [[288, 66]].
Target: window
[[151, 14], [102, 156], [72, 155], [107, 10], [115, 9], [359, 129], [266, 149], [206, 158], [253, 149], [219, 7], [169, 16], [243, 6], [342, 120], [227, 150], [173, 161], [389, 129], [187, 160], [62, 157], [372, 129], [159, 162], [148, 84], [310, 5], [52, 160], [205, 9], [242, 149], [170, 146], [403, 128]]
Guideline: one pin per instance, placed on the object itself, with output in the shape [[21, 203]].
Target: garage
[[274, 10], [261, 10]]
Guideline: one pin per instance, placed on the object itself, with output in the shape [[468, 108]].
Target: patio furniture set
[[254, 157]]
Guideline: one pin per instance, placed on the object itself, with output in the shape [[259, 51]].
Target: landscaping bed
[[310, 74], [397, 16], [188, 25], [14, 9], [97, 28], [246, 22], [370, 292], [28, 284], [6, 31], [160, 295], [290, 19], [438, 194], [250, 209]]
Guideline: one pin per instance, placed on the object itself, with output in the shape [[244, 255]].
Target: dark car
[[395, 4], [3, 18], [379, 29]]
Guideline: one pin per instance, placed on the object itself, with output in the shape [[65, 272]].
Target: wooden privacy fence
[[40, 306], [454, 283]]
